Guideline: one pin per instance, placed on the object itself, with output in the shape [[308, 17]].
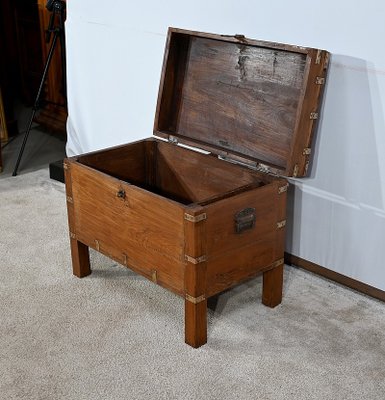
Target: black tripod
[[55, 26]]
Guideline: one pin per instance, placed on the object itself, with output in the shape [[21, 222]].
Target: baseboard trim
[[335, 276]]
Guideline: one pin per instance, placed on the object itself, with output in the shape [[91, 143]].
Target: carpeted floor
[[114, 335]]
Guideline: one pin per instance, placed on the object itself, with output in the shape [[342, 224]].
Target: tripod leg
[[63, 55], [37, 100], [24, 141]]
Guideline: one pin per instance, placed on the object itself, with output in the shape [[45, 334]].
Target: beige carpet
[[114, 335]]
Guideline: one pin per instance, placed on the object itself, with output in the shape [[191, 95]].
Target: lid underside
[[232, 96]]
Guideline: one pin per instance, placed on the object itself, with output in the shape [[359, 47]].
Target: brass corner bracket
[[195, 300]]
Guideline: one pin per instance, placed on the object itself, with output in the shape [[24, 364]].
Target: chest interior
[[176, 173], [232, 97]]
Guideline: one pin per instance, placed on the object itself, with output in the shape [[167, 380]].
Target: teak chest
[[201, 221]]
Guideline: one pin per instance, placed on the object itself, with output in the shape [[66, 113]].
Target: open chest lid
[[245, 100]]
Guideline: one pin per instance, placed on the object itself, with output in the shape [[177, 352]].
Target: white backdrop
[[336, 217]]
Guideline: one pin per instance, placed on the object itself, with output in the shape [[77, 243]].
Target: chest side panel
[[126, 162], [235, 256], [135, 227]]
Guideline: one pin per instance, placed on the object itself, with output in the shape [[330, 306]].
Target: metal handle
[[244, 219]]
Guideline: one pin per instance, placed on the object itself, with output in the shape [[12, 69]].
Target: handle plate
[[244, 219]]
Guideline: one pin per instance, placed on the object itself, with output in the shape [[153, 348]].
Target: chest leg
[[80, 259], [195, 323], [272, 286]]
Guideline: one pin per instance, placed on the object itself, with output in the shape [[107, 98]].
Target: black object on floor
[[56, 171]]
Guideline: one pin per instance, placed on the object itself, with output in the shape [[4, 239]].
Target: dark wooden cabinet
[[54, 114], [29, 49], [10, 80], [23, 52]]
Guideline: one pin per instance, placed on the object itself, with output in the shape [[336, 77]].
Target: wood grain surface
[[243, 97], [79, 251], [196, 177], [141, 230], [195, 280], [234, 257]]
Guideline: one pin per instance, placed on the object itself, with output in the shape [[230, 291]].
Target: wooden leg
[[196, 323], [272, 286], [80, 259]]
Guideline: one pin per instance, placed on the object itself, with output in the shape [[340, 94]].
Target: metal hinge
[[306, 151], [283, 189], [97, 245], [239, 37], [172, 139], [281, 224], [195, 300], [254, 166], [195, 218], [313, 115], [263, 168], [70, 199], [319, 80], [197, 260], [318, 57], [66, 166], [72, 235]]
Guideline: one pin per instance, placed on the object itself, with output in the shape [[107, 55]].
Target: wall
[[336, 217]]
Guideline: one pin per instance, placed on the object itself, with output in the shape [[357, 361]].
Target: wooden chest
[[201, 220]]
